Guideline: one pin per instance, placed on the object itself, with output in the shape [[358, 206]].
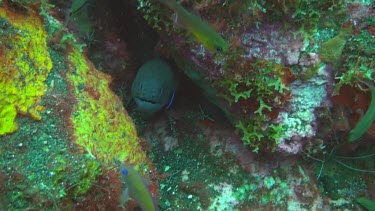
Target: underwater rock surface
[[273, 44], [261, 125], [62, 128]]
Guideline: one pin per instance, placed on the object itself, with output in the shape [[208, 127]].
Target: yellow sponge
[[25, 65]]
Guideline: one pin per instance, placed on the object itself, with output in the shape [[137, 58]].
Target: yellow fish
[[201, 30], [137, 189]]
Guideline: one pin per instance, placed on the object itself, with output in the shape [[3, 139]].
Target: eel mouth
[[147, 100], [147, 105]]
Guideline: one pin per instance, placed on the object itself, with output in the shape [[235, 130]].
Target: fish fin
[[172, 4], [124, 198], [177, 22]]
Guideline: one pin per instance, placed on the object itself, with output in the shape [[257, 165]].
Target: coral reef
[[298, 117], [25, 66], [279, 84], [298, 40], [78, 126], [112, 135], [276, 115]]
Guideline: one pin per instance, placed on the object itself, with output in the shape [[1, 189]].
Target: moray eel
[[154, 86]]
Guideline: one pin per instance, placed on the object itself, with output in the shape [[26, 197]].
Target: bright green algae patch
[[48, 167], [100, 122], [25, 65]]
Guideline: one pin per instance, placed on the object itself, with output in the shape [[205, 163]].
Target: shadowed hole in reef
[[119, 42], [122, 42], [188, 102]]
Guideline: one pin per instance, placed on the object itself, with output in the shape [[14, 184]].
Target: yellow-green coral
[[101, 124], [8, 114], [25, 64]]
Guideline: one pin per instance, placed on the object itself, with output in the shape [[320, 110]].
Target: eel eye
[[219, 48], [124, 172]]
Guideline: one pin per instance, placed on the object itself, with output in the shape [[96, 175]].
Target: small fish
[[136, 189], [201, 30], [154, 86]]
